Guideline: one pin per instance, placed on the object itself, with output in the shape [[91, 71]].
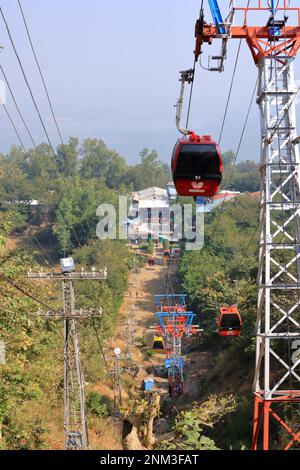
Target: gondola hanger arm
[[186, 76]]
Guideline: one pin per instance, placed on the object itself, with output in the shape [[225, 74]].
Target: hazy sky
[[112, 68]]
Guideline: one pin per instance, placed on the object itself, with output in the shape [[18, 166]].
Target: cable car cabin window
[[230, 321], [198, 160]]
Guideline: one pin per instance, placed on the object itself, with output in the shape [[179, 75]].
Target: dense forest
[[69, 187]]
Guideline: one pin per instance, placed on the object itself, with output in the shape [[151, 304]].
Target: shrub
[[97, 405]]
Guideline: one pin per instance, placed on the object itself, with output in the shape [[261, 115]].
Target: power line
[[41, 73], [32, 243], [46, 91], [23, 291], [17, 106], [14, 126], [38, 243], [34, 102], [26, 80], [101, 348]]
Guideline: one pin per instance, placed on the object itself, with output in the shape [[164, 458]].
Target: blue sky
[[112, 68]]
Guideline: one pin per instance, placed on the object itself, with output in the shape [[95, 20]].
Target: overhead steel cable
[[191, 96], [231, 86], [14, 126], [35, 105], [38, 244], [26, 81], [251, 239], [236, 154], [23, 291], [17, 106], [40, 72], [33, 245], [230, 92], [101, 347]]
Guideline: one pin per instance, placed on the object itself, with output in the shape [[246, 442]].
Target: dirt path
[[139, 306]]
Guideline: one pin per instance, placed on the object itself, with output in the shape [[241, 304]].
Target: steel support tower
[[274, 46], [75, 421], [174, 323], [277, 372]]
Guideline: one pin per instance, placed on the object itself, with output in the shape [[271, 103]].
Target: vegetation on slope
[[224, 273], [69, 190], [71, 186]]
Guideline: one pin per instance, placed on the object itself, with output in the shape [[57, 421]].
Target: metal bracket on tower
[[216, 62]]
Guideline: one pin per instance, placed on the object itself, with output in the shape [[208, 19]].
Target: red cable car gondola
[[229, 321], [197, 166]]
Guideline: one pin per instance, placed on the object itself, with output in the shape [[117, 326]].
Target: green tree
[[100, 162], [68, 158], [65, 223], [150, 172]]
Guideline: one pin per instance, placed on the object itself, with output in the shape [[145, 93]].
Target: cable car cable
[[191, 96], [251, 239], [230, 92], [237, 154], [231, 86]]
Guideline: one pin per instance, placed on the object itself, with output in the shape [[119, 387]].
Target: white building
[[149, 214]]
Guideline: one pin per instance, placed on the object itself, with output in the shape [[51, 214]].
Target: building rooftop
[[150, 193], [153, 204]]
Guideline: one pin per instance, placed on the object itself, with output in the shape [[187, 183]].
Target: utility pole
[[75, 421], [116, 372]]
